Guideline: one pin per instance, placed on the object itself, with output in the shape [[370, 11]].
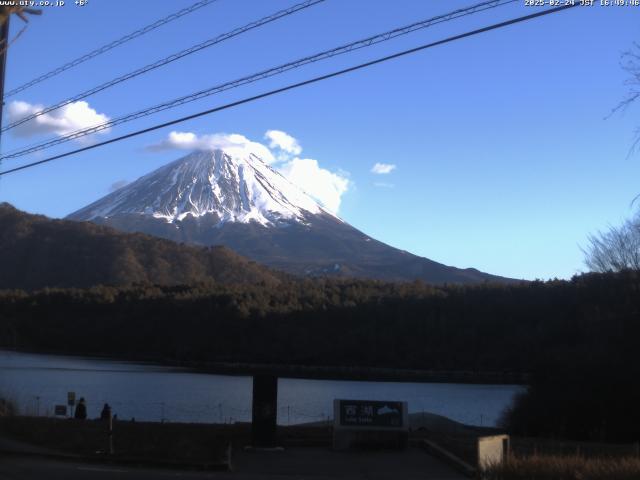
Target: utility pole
[[5, 17], [4, 50]]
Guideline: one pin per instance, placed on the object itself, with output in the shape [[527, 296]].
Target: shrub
[[548, 467], [8, 408]]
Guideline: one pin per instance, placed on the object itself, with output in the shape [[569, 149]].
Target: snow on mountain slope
[[233, 188]]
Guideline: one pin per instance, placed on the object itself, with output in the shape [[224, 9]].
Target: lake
[[154, 393]]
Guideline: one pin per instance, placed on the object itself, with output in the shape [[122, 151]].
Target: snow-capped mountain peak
[[231, 197], [235, 188]]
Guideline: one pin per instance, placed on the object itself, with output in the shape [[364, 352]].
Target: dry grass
[[549, 467], [178, 442], [170, 442]]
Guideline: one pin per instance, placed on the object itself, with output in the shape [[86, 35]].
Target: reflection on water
[[152, 392]]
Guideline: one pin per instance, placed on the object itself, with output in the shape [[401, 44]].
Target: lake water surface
[[149, 392]]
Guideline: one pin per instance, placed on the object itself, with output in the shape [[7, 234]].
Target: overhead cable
[[109, 46], [295, 86], [167, 60], [367, 42]]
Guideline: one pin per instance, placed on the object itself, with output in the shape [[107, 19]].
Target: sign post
[[363, 423], [71, 401]]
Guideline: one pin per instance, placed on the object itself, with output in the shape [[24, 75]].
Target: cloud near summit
[[283, 141], [234, 144], [325, 186]]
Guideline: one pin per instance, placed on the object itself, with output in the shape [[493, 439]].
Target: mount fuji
[[215, 197]]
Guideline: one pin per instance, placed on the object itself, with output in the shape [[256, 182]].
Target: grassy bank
[[167, 442], [548, 467], [173, 442]]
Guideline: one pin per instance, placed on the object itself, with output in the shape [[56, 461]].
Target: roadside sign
[[367, 423], [371, 413], [71, 398], [61, 410]]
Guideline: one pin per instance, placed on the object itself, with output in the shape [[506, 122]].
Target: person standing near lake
[[106, 412], [81, 410]]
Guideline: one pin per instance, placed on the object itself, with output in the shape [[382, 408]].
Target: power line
[[367, 42], [293, 86], [169, 59], [111, 45]]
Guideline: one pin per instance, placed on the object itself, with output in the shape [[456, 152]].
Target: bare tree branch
[[615, 249], [630, 63]]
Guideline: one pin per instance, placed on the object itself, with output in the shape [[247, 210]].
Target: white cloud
[[383, 168], [283, 141], [233, 144], [64, 120], [324, 186]]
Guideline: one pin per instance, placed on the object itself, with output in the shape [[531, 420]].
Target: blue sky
[[504, 159]]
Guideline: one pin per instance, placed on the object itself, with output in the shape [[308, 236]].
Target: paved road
[[31, 468], [293, 464], [321, 463]]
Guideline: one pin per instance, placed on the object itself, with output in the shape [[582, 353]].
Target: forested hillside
[[37, 252], [321, 321]]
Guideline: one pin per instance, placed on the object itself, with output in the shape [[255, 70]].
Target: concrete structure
[[492, 450], [264, 411]]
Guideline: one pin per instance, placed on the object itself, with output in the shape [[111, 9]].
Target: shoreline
[[311, 372]]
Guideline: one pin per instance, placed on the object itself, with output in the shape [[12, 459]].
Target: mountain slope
[[220, 198], [37, 252]]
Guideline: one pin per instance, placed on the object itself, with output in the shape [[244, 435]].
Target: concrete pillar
[[264, 411]]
